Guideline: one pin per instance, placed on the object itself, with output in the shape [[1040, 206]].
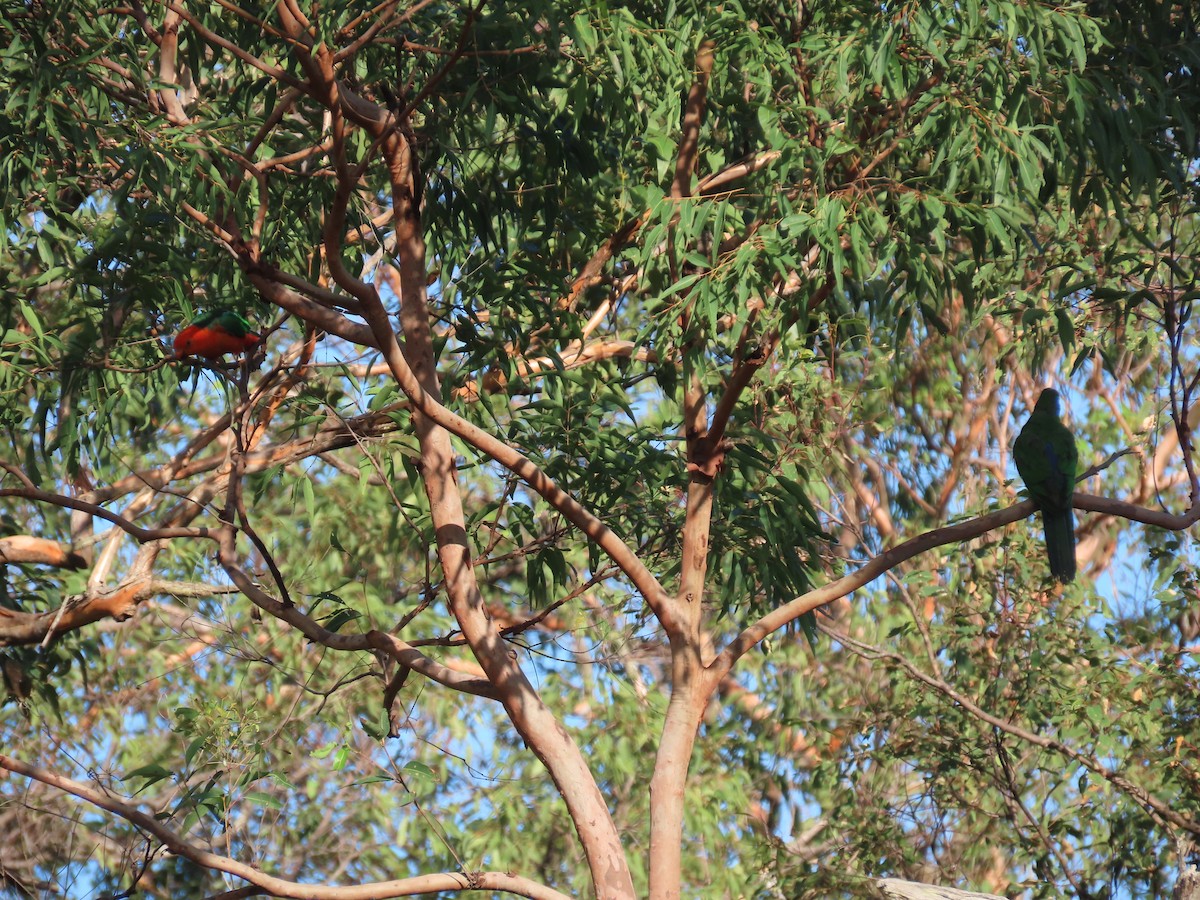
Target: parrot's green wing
[[225, 319], [1047, 459]]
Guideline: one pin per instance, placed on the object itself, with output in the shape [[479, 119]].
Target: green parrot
[[1046, 459]]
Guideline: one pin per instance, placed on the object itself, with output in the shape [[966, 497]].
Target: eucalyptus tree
[[598, 348]]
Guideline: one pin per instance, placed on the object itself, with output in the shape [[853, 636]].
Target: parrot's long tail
[[1060, 542]]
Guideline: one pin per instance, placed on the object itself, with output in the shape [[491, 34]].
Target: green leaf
[[419, 769], [153, 774], [262, 799]]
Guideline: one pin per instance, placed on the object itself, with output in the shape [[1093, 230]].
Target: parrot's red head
[[186, 342]]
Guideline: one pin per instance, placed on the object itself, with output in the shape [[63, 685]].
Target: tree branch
[[217, 41], [20, 628], [402, 652], [279, 887], [961, 531], [141, 534], [23, 548]]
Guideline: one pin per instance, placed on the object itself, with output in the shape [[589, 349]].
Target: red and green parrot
[[214, 334], [1046, 459]]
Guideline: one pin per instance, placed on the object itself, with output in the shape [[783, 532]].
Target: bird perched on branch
[[214, 334], [1046, 459]]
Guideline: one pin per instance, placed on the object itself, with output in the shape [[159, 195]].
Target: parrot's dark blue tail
[[1060, 542]]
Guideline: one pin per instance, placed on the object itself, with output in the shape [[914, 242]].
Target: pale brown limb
[[216, 40], [18, 628], [736, 171], [168, 48], [280, 887], [23, 548]]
